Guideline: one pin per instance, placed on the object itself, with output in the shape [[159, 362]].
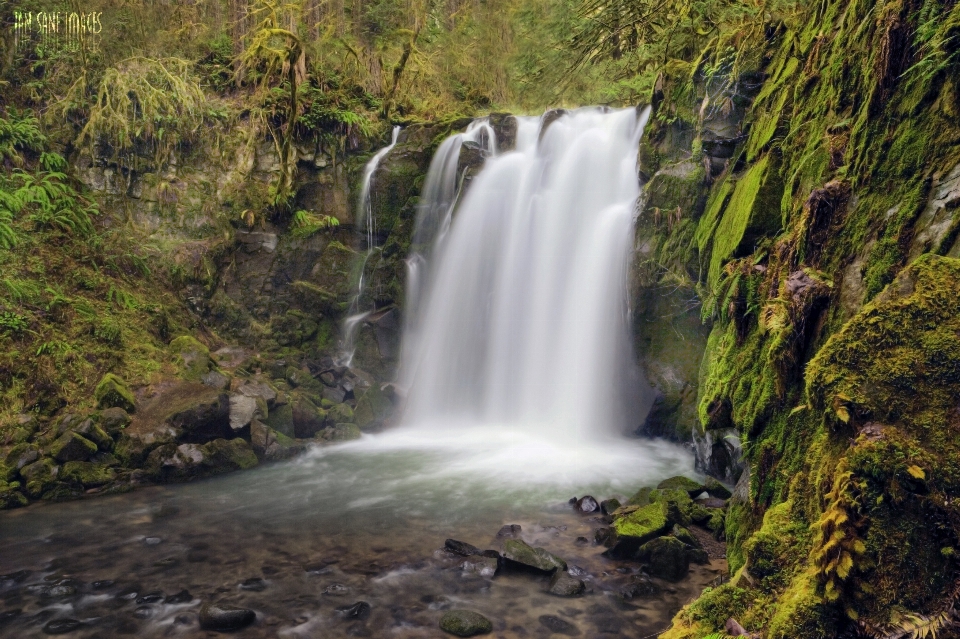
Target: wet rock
[[342, 433], [465, 623], [636, 528], [9, 615], [559, 626], [608, 506], [461, 548], [225, 617], [486, 567], [143, 612], [39, 476], [307, 418], [87, 428], [151, 597], [335, 395], [221, 456], [686, 537], [519, 552], [152, 541], [711, 502], [359, 611], [582, 541], [716, 489], [88, 474], [61, 626], [666, 557], [373, 409], [641, 497], [691, 487], [102, 583], [243, 410], [254, 584], [181, 597], [639, 586], [112, 392], [336, 590], [509, 531], [340, 414], [192, 357], [72, 447], [587, 504], [114, 420], [563, 584]]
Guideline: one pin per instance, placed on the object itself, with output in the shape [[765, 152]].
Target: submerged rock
[[61, 626], [181, 597], [519, 552], [563, 584], [461, 548], [359, 610], [559, 626], [484, 566], [225, 617], [465, 623], [509, 531], [639, 586]]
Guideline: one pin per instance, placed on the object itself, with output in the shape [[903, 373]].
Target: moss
[[693, 488], [88, 474], [192, 357], [802, 612], [112, 392], [644, 523]]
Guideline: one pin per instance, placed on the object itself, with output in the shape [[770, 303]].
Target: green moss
[[644, 523], [192, 357], [88, 474], [693, 488], [112, 392]]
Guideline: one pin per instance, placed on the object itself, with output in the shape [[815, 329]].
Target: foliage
[[306, 223]]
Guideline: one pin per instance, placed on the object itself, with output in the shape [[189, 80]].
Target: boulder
[[465, 623], [641, 497], [23, 428], [563, 584], [307, 419], [486, 567], [112, 392], [192, 357], [223, 456], [340, 414], [258, 389], [509, 531], [639, 586], [87, 474], [114, 420], [342, 433], [216, 380], [692, 488], [666, 557], [587, 504], [716, 489], [461, 548], [18, 457], [518, 552], [270, 445], [72, 447], [90, 430], [373, 409], [39, 476], [11, 497], [608, 506], [679, 506], [243, 410], [636, 528], [223, 617], [280, 419]]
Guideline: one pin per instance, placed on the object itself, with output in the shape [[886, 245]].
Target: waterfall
[[364, 214], [518, 312]]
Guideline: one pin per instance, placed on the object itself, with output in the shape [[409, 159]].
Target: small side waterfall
[[521, 316], [364, 214]]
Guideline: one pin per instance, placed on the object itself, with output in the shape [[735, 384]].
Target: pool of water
[[362, 521]]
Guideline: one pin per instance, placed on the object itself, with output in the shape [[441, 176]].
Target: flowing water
[[518, 380]]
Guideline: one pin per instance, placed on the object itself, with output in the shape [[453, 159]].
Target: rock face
[[465, 623]]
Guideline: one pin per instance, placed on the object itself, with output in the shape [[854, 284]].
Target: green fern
[[19, 131], [306, 223]]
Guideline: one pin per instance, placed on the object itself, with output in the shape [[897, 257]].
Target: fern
[[19, 131], [839, 546], [305, 223]]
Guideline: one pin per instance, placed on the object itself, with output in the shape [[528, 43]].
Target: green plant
[[306, 223], [12, 323], [19, 131]]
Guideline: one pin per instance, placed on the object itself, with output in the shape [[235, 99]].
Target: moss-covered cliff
[[819, 232]]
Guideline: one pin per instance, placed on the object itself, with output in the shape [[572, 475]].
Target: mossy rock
[[280, 419], [716, 489], [692, 488], [677, 503], [114, 420], [641, 497], [221, 455], [39, 476], [112, 392], [192, 357], [666, 558], [308, 420], [23, 428], [89, 474], [520, 553], [90, 430], [72, 447], [465, 623], [11, 497], [340, 414], [373, 408], [342, 433], [639, 527]]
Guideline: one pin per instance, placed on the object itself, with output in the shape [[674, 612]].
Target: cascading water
[[364, 213], [523, 318]]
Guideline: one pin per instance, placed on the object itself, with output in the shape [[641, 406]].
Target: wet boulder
[[91, 431], [270, 445], [677, 502], [22, 430], [519, 553], [40, 476], [307, 418], [222, 456], [609, 506], [481, 565], [342, 433], [10, 496], [666, 557], [87, 474], [465, 623], [691, 487], [559, 626], [224, 617], [340, 414], [243, 410], [112, 392], [716, 489], [636, 527], [563, 584], [586, 504], [373, 408], [280, 419], [461, 548]]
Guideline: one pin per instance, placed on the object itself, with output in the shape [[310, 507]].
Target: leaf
[[916, 472], [845, 565], [843, 414]]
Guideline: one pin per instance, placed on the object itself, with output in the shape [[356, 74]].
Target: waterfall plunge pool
[[361, 521]]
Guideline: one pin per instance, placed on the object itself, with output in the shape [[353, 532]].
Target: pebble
[[225, 617]]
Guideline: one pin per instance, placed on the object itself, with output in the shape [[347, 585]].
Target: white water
[[523, 321], [364, 213]]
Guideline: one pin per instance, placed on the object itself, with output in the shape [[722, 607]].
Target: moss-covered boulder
[[112, 392], [114, 420], [21, 430], [72, 447], [306, 417], [373, 408], [87, 474], [716, 489], [39, 476], [465, 623], [280, 419], [89, 429], [340, 414], [221, 456], [635, 526], [341, 433], [191, 356], [520, 554], [677, 503], [692, 488], [11, 497], [665, 557]]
